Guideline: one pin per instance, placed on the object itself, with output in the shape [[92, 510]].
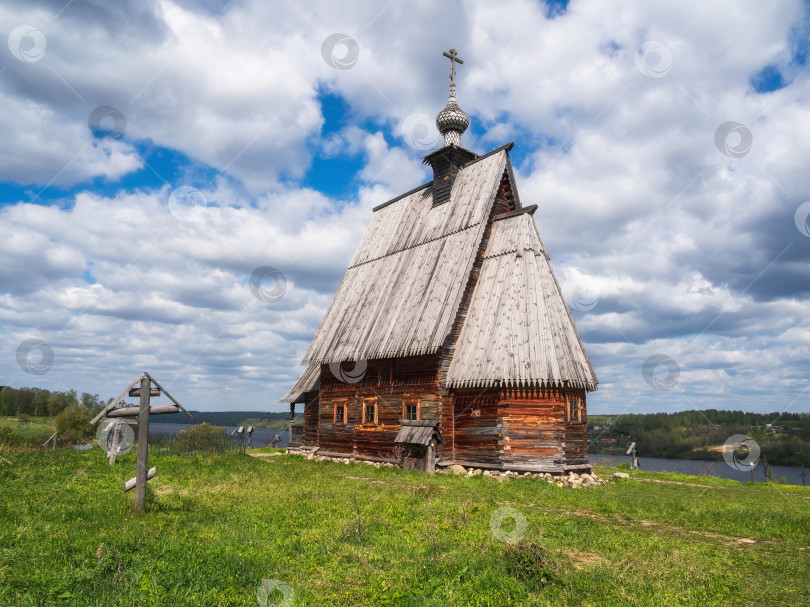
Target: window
[[370, 410], [384, 375], [340, 412], [411, 409], [574, 409]]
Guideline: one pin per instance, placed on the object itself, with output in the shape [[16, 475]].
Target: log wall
[[311, 401], [514, 428], [487, 427], [413, 377]]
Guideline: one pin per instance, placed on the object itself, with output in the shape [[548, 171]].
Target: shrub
[[529, 563], [202, 437], [73, 423], [7, 436]]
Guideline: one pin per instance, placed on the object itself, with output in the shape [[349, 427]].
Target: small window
[[384, 375], [574, 409], [369, 410], [410, 410], [340, 412]]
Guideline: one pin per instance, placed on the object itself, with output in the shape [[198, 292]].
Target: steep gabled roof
[[404, 287], [518, 330], [309, 380], [405, 282]]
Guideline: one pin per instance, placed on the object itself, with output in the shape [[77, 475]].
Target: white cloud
[[688, 252]]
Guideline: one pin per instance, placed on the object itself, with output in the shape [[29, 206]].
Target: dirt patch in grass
[[580, 560]]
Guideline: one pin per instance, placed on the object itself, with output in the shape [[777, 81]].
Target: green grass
[[34, 433], [339, 534]]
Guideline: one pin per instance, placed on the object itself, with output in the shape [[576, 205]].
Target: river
[[701, 467], [260, 436]]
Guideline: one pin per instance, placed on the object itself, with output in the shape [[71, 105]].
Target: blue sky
[[664, 148]]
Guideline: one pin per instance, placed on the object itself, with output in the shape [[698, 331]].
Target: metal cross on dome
[[454, 58]]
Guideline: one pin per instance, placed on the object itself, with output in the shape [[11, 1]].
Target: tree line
[[44, 403], [72, 412], [783, 438]]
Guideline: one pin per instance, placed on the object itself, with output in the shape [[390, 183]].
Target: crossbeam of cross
[[454, 58]]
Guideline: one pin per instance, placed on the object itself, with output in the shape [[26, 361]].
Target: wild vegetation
[[325, 533]]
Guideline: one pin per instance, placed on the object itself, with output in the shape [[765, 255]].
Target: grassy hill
[[33, 431], [337, 534]]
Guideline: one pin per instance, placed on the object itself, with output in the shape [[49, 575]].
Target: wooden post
[[143, 446], [114, 448]]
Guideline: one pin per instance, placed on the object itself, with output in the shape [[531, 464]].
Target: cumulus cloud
[[665, 240]]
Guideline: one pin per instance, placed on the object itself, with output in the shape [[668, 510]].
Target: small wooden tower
[[450, 314]]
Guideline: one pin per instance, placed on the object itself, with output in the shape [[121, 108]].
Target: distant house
[[450, 326]]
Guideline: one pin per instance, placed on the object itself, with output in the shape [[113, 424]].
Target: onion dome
[[452, 121]]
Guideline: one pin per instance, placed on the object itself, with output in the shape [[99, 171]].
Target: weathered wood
[[143, 446], [114, 448], [135, 411], [135, 392], [409, 272], [53, 439], [114, 402], [169, 396], [131, 483], [460, 301]]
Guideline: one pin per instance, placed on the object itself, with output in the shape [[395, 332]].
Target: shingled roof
[[309, 380], [518, 330], [404, 286]]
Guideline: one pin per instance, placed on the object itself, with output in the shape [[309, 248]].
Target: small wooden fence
[[172, 444]]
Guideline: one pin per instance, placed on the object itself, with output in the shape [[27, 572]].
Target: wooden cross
[[454, 58], [145, 391]]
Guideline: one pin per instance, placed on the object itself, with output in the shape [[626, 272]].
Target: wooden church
[[449, 340]]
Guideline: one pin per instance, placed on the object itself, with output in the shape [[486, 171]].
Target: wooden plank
[[131, 483], [135, 411], [169, 396], [143, 446], [135, 392], [116, 400]]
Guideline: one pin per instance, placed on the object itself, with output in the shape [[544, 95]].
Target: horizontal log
[[133, 411], [130, 484], [137, 392]]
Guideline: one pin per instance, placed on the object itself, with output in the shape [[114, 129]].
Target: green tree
[[73, 423], [57, 403], [92, 402], [23, 401], [7, 401], [40, 403]]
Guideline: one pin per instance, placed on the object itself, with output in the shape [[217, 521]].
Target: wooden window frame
[[577, 401], [409, 402], [345, 405], [371, 402]]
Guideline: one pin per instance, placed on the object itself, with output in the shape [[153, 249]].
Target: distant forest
[[36, 402], [783, 438], [43, 403]]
